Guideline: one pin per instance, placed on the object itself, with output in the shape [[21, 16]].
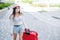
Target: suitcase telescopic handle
[[27, 31]]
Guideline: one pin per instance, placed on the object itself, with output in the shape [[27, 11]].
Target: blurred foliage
[[3, 5], [27, 1], [44, 5], [40, 5], [10, 1], [54, 5]]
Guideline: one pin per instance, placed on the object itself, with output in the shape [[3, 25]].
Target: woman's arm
[[11, 24], [11, 19], [24, 23]]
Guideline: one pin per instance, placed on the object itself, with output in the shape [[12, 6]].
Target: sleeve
[[24, 22]]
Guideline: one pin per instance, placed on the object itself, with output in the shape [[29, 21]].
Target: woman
[[17, 19]]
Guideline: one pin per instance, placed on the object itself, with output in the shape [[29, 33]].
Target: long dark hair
[[14, 13]]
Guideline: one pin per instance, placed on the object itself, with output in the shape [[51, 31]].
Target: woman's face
[[17, 9]]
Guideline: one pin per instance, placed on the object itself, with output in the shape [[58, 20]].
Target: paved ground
[[45, 31]]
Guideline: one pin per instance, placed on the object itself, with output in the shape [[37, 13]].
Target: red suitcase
[[30, 35]]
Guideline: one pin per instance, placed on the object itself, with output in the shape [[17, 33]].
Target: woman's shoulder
[[12, 15], [21, 14]]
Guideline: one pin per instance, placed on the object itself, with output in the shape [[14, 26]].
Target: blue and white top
[[18, 20]]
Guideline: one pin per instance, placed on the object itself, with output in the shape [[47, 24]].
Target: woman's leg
[[21, 32], [15, 31], [20, 36], [14, 36]]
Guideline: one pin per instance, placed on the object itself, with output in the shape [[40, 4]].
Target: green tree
[[27, 1], [10, 1]]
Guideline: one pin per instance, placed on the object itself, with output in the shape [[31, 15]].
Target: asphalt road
[[45, 30]]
